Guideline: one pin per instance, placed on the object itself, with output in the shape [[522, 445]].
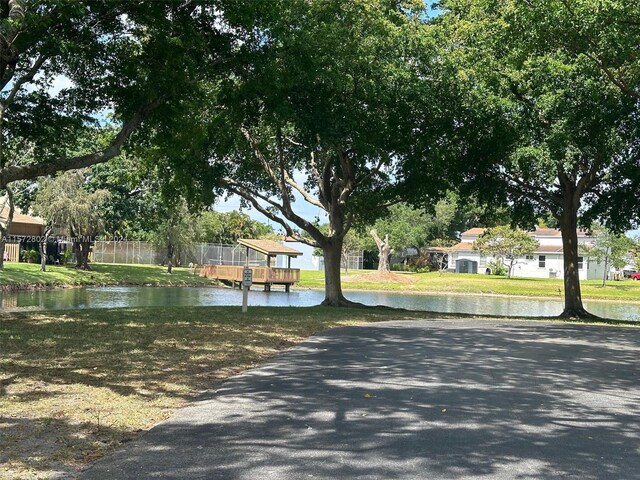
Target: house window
[[580, 263], [528, 257], [542, 261], [483, 260]]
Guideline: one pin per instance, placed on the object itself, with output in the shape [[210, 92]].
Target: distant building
[[24, 233], [546, 262]]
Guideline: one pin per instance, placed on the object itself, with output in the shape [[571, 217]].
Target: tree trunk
[[573, 307], [43, 249], [43, 254], [511, 262], [4, 230], [81, 249], [384, 251], [170, 249], [332, 251]]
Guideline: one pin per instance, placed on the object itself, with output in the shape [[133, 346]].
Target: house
[[24, 234], [546, 262]]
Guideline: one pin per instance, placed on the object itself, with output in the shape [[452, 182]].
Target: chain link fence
[[144, 253]]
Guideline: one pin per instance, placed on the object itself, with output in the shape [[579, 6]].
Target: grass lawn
[[76, 384], [29, 274], [436, 282]]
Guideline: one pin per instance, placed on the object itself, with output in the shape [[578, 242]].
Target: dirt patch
[[375, 277]]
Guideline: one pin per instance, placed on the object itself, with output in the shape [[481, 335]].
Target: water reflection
[[116, 297]]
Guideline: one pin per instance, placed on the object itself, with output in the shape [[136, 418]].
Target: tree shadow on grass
[[54, 446], [430, 400], [127, 360]]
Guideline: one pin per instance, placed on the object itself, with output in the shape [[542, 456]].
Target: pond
[[117, 297]]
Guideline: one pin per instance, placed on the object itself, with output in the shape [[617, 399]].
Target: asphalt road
[[413, 400]]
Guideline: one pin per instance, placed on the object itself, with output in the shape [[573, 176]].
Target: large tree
[[66, 65], [541, 126], [66, 203], [320, 113]]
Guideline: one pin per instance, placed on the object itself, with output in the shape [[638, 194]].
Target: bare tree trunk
[[170, 252], [43, 249], [344, 259], [384, 251], [4, 229], [511, 262], [573, 307]]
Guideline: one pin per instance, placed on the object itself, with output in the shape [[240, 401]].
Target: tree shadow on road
[[417, 400]]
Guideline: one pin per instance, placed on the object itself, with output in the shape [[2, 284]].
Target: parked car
[[635, 276]]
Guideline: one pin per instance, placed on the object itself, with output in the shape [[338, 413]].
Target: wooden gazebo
[[266, 275]]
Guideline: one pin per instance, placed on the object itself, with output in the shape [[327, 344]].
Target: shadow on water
[[118, 297], [433, 400]]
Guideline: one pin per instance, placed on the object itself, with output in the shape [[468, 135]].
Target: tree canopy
[[544, 127], [217, 227], [65, 202], [320, 113], [66, 66]]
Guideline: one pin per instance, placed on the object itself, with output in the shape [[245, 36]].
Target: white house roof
[[467, 246], [538, 232]]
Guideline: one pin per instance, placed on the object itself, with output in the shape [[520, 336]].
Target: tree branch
[[537, 193], [27, 77], [306, 195], [374, 171], [252, 196], [13, 173], [258, 154]]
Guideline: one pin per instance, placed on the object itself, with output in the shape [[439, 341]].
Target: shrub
[[30, 256], [496, 267]]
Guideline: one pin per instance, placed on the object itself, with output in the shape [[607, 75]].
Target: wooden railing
[[233, 273]]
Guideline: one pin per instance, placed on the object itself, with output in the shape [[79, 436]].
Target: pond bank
[[25, 276]]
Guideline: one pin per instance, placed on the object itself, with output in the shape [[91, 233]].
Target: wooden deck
[[266, 276]]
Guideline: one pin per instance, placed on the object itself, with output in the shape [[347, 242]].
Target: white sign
[[247, 277]]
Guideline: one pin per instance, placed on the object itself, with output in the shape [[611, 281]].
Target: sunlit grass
[[28, 275], [460, 283]]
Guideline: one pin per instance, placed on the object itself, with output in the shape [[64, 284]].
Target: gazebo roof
[[269, 247]]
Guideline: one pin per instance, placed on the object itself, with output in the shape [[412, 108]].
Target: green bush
[[66, 256], [496, 267], [30, 256]]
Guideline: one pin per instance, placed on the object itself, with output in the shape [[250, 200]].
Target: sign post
[[247, 281]]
